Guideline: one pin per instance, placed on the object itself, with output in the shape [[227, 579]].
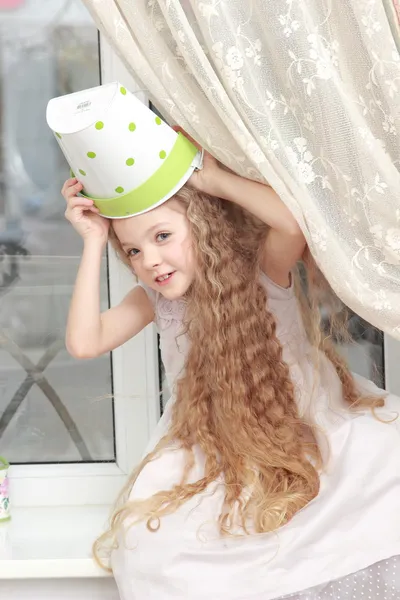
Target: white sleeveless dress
[[343, 544]]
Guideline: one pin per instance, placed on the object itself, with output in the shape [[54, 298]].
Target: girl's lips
[[166, 280]]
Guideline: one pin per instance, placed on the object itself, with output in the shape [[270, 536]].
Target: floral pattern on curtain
[[302, 95]]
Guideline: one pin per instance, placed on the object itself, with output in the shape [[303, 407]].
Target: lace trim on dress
[[169, 311]]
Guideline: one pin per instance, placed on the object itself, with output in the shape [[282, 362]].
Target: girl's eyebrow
[[147, 231], [156, 226]]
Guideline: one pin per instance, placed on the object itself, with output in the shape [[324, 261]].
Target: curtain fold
[[303, 95]]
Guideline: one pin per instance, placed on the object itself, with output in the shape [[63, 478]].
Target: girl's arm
[[91, 333], [285, 242]]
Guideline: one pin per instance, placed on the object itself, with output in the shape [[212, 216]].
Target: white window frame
[[136, 393], [391, 349], [136, 388]]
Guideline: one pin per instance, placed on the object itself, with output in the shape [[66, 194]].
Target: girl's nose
[[151, 259]]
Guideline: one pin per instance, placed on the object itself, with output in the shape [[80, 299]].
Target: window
[[64, 424], [44, 415]]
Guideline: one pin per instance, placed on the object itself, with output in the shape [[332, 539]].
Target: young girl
[[273, 472]]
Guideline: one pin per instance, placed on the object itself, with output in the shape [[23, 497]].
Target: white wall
[[59, 589]]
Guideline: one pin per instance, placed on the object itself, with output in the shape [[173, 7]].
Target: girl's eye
[[161, 237], [133, 252]]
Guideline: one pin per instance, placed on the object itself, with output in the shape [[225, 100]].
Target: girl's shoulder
[[151, 294]]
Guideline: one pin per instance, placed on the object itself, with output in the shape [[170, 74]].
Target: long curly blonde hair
[[236, 400]]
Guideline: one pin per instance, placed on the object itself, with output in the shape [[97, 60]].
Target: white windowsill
[[51, 542]]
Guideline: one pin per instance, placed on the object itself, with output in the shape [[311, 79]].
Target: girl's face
[[159, 246]]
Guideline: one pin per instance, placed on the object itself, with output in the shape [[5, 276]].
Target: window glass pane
[[52, 408], [366, 356]]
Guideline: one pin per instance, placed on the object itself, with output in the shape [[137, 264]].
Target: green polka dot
[[99, 125], [162, 154], [119, 190], [123, 91], [58, 135], [130, 161], [132, 126], [158, 121], [82, 172], [72, 174], [91, 154]]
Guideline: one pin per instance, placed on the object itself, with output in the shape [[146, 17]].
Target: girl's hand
[[204, 180], [82, 213]]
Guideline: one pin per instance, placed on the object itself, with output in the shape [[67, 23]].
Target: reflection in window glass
[[52, 408]]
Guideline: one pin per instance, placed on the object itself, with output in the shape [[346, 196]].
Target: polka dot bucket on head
[[127, 158]]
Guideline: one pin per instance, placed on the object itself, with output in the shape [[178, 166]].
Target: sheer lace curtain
[[303, 95]]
